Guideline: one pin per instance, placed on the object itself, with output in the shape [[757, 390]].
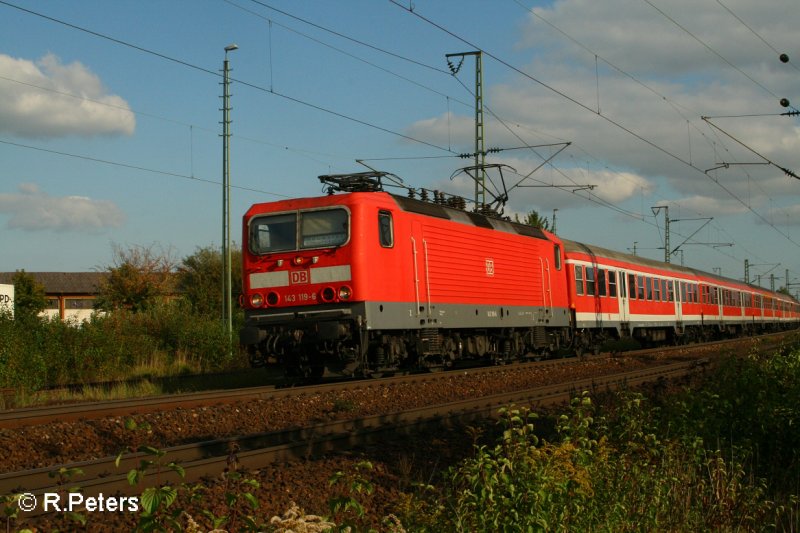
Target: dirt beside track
[[64, 442], [396, 465]]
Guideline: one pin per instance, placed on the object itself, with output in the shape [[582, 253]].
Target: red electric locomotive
[[368, 282]]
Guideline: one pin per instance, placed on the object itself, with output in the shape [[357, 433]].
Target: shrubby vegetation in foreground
[[720, 457], [725, 457]]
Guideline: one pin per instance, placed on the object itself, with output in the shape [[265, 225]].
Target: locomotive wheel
[[306, 366]]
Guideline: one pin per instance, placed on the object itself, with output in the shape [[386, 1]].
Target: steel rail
[[29, 416], [211, 459]]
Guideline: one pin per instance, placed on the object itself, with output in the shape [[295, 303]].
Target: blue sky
[[110, 118]]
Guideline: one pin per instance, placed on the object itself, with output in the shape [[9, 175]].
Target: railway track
[[210, 459], [30, 416]]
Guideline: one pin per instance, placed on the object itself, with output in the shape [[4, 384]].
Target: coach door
[[624, 306], [673, 286]]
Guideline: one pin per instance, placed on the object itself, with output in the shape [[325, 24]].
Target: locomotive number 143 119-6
[[301, 297]]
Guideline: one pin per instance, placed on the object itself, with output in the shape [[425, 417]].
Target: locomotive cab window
[[322, 229], [273, 233], [385, 229], [317, 229]]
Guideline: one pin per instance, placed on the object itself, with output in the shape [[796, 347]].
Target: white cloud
[[32, 209], [628, 87], [50, 99]]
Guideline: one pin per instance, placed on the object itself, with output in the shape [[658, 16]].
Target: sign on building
[[7, 299]]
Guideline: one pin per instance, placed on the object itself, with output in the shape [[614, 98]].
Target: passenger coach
[[617, 295]]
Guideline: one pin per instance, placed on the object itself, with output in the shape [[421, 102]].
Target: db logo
[[298, 277], [490, 267]]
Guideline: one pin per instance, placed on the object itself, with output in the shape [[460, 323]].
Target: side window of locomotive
[[612, 283], [273, 233], [579, 279], [557, 253], [323, 229], [385, 229]]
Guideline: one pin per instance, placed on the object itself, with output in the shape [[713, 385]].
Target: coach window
[[632, 286], [601, 282], [640, 287], [648, 285], [579, 279], [385, 229], [657, 289], [590, 282], [670, 291], [612, 283], [557, 253]]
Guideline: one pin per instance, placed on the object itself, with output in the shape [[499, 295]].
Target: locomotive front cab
[[298, 290]]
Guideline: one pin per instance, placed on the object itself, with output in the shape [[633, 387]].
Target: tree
[[29, 296], [200, 279], [138, 278], [534, 219]]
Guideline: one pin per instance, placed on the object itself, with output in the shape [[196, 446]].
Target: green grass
[[169, 340], [725, 457]]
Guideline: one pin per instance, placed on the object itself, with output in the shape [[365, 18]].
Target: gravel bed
[[395, 464], [64, 442]]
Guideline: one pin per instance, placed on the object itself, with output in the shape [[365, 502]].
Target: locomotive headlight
[[328, 294], [299, 260], [273, 298], [345, 292], [256, 300]]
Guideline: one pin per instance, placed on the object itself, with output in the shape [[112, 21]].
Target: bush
[[166, 339], [628, 468]]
